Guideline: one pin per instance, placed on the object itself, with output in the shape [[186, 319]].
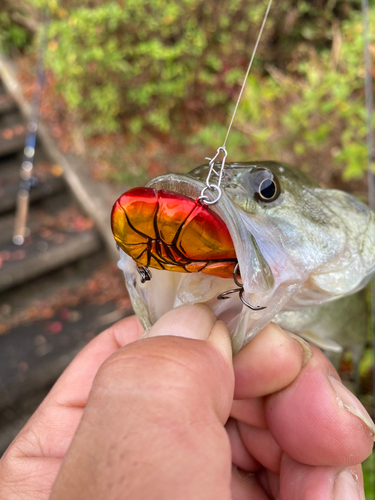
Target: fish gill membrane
[[303, 251]]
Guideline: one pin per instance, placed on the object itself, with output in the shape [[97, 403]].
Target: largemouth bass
[[302, 251]]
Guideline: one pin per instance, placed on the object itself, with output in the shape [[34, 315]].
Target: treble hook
[[144, 274], [239, 290]]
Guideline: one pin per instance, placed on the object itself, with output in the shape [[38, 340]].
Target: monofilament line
[[248, 70], [203, 198]]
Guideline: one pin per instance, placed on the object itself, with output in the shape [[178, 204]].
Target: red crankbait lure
[[166, 230]]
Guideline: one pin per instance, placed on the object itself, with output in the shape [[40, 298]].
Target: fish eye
[[264, 184], [267, 190]]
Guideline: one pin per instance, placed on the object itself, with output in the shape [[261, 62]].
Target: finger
[[155, 417], [82, 370], [314, 420], [246, 486], [30, 465], [304, 482], [193, 322], [249, 411], [27, 478], [50, 430], [273, 484], [241, 457], [270, 482], [270, 362], [262, 446]]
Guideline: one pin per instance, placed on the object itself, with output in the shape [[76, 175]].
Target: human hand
[[147, 420]]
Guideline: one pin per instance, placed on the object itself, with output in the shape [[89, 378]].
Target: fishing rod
[[28, 181]]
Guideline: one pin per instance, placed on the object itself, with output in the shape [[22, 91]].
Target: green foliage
[[369, 476], [167, 67], [11, 34], [330, 104], [367, 362], [321, 103], [143, 64]]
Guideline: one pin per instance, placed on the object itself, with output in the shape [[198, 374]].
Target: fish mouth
[[254, 270], [168, 289]]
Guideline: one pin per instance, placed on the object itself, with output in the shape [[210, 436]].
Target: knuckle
[[156, 365]]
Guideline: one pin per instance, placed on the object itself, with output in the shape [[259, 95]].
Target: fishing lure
[[165, 230]]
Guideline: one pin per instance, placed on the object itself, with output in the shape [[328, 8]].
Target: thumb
[[153, 424]]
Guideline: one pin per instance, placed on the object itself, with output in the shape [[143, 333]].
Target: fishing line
[[370, 169], [248, 70], [216, 187]]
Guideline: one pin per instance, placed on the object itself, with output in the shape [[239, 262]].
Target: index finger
[[79, 375], [49, 431]]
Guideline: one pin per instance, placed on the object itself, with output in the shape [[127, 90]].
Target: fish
[[302, 254]]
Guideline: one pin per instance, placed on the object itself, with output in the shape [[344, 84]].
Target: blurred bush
[[158, 64], [313, 109], [175, 67], [13, 34]]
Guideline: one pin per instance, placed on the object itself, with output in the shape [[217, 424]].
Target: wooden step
[[57, 290], [40, 255], [91, 278], [7, 103], [50, 212], [59, 234], [34, 355], [48, 179], [44, 324], [12, 139]]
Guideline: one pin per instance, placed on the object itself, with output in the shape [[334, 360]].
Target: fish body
[[301, 249]]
